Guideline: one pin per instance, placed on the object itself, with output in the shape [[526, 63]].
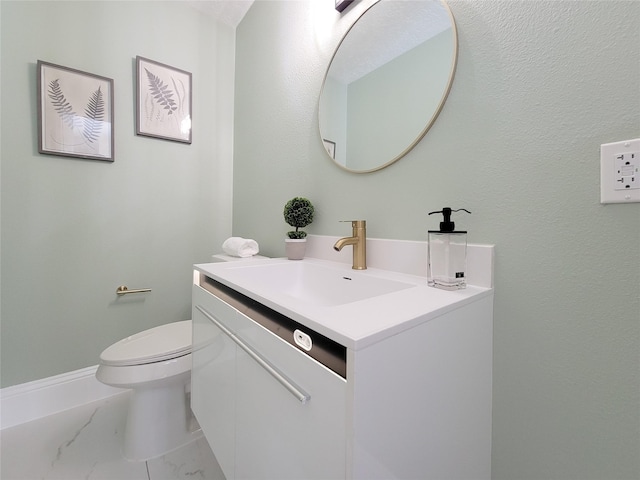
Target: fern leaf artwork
[[60, 103], [164, 101], [162, 94], [94, 114], [75, 113]]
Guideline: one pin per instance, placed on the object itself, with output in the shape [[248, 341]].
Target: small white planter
[[295, 248]]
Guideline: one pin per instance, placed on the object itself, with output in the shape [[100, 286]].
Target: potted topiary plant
[[298, 212]]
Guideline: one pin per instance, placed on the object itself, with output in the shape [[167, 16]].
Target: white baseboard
[[40, 398]]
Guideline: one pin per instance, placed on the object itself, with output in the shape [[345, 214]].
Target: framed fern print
[[75, 113], [163, 101]]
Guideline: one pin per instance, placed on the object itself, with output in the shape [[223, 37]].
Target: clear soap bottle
[[447, 254]]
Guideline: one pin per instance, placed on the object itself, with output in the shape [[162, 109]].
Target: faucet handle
[[355, 223]]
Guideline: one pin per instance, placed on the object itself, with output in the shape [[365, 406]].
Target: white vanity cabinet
[[413, 399], [420, 401], [260, 426]]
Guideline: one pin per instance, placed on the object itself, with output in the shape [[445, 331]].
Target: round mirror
[[387, 82]]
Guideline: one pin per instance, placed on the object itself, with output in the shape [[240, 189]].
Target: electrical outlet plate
[[620, 172]]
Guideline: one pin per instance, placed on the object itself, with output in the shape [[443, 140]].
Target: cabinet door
[[278, 436], [213, 377]]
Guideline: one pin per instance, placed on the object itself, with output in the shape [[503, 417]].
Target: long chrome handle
[[285, 382], [123, 290]]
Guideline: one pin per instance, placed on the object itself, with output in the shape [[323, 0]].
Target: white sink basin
[[355, 308], [317, 284]]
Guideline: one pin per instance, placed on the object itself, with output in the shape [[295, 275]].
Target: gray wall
[[540, 85], [73, 230]]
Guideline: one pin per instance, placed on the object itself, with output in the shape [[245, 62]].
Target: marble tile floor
[[84, 444]]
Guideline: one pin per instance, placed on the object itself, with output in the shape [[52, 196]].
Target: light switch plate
[[620, 172]]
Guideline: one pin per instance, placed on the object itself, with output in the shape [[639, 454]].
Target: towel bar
[[124, 290]]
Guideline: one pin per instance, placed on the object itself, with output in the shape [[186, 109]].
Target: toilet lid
[[154, 345]]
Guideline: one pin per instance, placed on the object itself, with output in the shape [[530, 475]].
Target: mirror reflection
[[387, 82]]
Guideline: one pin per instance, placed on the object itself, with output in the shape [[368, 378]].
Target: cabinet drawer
[[257, 427]]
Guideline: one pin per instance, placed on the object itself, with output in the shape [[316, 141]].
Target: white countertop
[[357, 324]]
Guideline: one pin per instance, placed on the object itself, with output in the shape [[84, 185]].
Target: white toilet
[[156, 365]]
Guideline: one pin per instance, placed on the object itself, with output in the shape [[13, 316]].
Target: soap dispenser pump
[[447, 254]]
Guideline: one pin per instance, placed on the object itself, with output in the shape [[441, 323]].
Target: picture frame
[[163, 101], [330, 147], [75, 113], [342, 4]]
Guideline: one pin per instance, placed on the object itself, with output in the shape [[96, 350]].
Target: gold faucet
[[359, 242]]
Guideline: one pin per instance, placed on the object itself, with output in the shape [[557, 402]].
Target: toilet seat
[[157, 344]]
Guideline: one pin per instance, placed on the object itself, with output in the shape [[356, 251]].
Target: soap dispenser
[[447, 254]]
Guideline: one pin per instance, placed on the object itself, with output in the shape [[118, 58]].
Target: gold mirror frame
[[329, 145]]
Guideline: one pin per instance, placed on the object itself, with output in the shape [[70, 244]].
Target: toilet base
[[159, 421]]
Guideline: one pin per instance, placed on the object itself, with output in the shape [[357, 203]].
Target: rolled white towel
[[240, 247]]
